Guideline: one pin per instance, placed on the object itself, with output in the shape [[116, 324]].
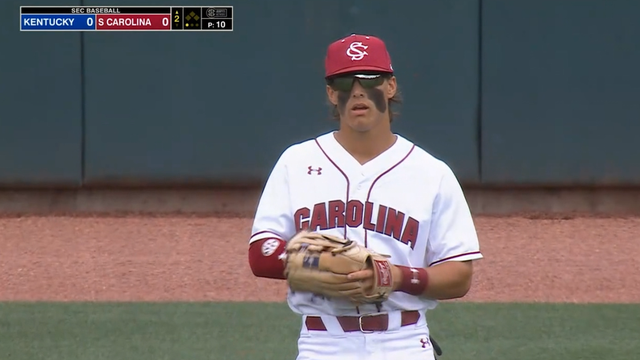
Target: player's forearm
[[449, 280]]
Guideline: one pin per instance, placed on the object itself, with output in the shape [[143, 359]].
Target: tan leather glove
[[319, 263]]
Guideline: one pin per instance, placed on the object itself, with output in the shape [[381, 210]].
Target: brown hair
[[394, 102]]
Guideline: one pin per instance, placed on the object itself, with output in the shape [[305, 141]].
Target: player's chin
[[361, 123]]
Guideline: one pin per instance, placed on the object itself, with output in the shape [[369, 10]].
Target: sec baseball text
[[95, 10]]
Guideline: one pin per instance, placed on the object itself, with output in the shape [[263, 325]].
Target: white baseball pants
[[409, 342]]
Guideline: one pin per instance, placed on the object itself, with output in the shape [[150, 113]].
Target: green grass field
[[259, 331]]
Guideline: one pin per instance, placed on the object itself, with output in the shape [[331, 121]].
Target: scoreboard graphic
[[126, 18]]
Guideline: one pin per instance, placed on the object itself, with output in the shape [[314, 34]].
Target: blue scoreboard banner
[[126, 18]]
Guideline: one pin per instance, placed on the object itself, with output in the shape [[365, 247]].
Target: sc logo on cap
[[356, 50]]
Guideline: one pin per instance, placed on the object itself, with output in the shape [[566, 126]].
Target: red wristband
[[414, 280]]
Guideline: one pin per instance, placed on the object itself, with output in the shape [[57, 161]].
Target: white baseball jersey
[[404, 203]]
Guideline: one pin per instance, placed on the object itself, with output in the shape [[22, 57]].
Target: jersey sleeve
[[452, 235], [273, 216]]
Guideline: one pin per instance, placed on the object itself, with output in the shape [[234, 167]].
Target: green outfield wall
[[507, 92]]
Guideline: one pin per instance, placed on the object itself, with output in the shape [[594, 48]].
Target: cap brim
[[359, 68], [367, 76]]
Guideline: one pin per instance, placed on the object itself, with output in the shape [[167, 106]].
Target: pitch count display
[[126, 18]]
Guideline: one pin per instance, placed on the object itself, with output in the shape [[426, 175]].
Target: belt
[[363, 323]]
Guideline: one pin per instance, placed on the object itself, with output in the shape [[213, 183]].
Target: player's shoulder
[[428, 162]]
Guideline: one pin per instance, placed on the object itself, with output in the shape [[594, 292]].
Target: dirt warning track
[[153, 258]]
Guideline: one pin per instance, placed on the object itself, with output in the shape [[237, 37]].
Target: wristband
[[414, 280]]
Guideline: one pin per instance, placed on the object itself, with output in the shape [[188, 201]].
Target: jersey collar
[[347, 163]]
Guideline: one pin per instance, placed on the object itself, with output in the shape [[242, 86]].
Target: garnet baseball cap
[[357, 53]]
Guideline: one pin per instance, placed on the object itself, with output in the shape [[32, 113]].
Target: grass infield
[[261, 331]]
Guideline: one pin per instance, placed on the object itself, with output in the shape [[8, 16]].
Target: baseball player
[[379, 194]]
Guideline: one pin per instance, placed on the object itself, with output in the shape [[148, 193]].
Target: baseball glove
[[319, 263]]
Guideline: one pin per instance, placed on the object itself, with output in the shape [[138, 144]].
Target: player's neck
[[365, 146]]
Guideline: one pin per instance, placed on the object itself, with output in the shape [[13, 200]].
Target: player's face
[[362, 101]]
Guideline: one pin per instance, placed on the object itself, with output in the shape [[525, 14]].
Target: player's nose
[[357, 90]]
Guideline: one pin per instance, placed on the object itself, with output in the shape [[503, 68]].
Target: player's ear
[[392, 87], [332, 95]]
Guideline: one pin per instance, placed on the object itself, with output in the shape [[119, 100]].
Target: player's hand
[[365, 277]]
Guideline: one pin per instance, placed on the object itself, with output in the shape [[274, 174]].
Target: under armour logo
[[317, 170], [424, 342], [414, 276], [356, 50]]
